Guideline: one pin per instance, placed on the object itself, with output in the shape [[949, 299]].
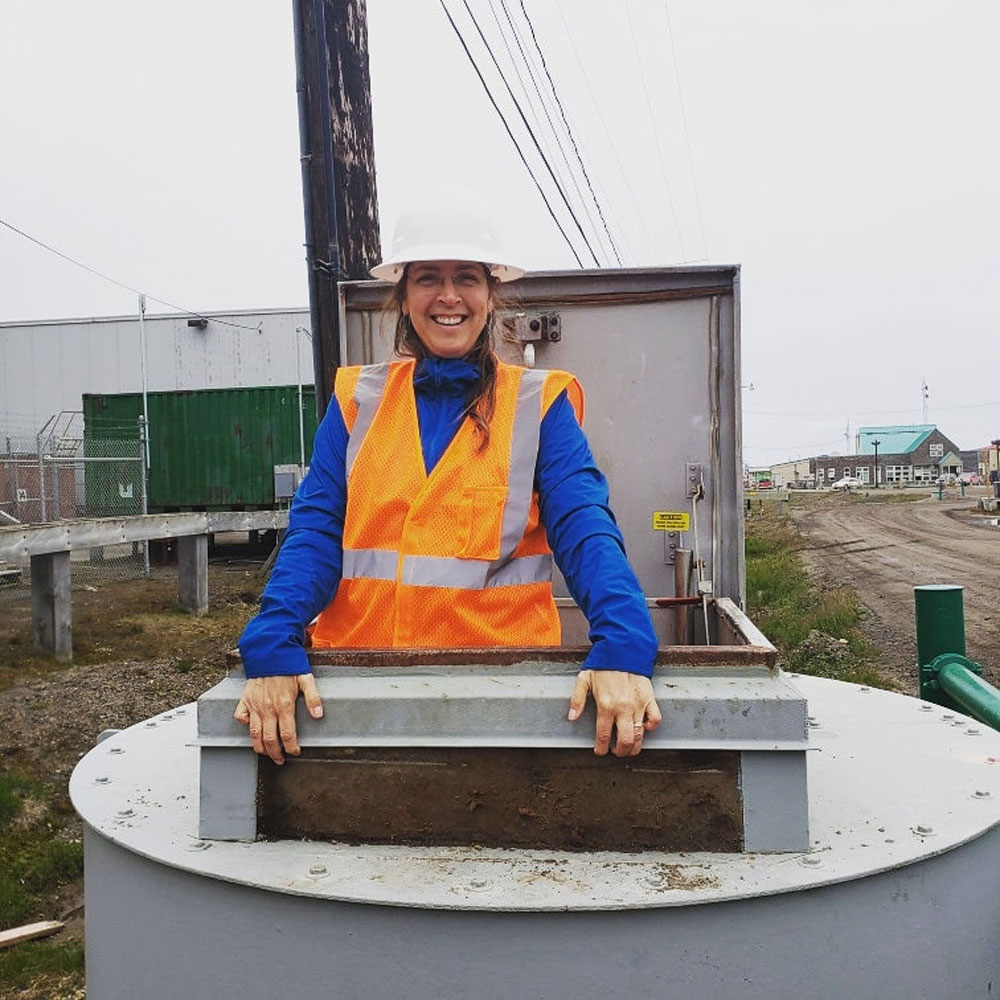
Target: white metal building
[[46, 366]]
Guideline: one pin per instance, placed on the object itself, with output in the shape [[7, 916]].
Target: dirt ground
[[883, 549], [136, 654]]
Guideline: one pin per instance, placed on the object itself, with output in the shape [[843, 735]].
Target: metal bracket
[[533, 327], [930, 686], [669, 548], [694, 480]]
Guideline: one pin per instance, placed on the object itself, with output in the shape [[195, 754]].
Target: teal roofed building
[[892, 440], [898, 455]]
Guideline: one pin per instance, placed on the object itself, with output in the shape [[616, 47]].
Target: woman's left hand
[[624, 701]]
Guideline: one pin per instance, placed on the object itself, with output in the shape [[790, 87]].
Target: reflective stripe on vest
[[370, 564], [475, 574], [367, 396], [443, 571]]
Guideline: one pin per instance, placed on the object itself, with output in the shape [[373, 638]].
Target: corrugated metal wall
[[214, 448], [46, 367]]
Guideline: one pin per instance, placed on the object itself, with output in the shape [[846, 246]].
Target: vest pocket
[[480, 518]]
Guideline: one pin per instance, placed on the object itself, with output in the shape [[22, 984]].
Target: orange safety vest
[[456, 557]]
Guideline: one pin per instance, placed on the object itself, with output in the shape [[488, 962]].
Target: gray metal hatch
[[657, 352]]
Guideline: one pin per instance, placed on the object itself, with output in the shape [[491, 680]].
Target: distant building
[[799, 473], [913, 454], [46, 366]]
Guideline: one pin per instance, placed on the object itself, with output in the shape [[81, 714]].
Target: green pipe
[[940, 621], [967, 690]]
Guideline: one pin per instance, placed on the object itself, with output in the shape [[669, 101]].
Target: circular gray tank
[[895, 898]]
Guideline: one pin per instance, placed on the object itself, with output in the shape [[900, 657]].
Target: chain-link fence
[[62, 474]]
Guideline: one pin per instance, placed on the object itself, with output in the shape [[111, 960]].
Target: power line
[[612, 145], [684, 125], [656, 133], [115, 281], [872, 413], [507, 127], [569, 131], [541, 100], [520, 79], [545, 161], [531, 134]]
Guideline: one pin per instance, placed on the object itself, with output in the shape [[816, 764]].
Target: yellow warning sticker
[[671, 520]]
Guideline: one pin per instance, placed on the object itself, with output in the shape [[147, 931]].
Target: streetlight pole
[[875, 444], [298, 379]]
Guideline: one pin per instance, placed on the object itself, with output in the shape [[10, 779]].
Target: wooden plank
[[28, 932], [565, 799], [51, 604], [192, 573]]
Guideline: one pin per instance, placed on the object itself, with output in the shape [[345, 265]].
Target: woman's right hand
[[267, 706]]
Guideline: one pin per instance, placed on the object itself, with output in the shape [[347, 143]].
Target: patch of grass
[[816, 631], [887, 496], [34, 860], [126, 620], [45, 960], [13, 792]]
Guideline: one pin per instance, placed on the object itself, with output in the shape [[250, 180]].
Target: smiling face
[[447, 302]]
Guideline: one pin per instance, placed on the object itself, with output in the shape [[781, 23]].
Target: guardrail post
[[940, 620], [51, 606], [192, 573]]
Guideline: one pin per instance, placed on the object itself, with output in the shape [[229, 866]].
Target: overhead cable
[[510, 134], [531, 134], [120, 284], [555, 132], [520, 79], [684, 125], [569, 131], [545, 161], [612, 145], [668, 190]]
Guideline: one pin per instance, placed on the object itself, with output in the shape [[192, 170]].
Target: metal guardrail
[[48, 546], [24, 540]]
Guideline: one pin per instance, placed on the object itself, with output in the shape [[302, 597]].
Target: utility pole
[[338, 165], [876, 442]]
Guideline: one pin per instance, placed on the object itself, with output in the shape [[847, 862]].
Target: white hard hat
[[447, 223]]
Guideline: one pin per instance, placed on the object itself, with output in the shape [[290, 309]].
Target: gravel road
[[882, 550]]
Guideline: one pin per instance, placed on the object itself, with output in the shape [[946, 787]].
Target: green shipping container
[[209, 449]]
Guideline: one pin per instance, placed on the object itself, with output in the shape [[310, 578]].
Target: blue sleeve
[[307, 571], [588, 547]]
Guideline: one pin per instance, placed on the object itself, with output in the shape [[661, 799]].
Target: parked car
[[971, 479], [847, 483]]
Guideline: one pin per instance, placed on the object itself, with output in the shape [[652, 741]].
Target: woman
[[438, 483]]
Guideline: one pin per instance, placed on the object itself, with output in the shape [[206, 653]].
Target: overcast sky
[[846, 155]]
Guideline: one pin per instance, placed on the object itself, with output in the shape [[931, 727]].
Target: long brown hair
[[483, 354]]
